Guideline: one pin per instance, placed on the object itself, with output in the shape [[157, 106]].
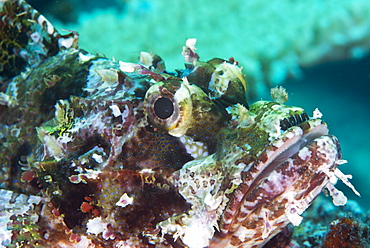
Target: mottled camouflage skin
[[120, 154]]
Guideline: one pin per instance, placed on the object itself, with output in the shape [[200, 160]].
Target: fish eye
[[168, 106], [163, 108]]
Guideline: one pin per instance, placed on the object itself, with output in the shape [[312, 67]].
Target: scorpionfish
[[104, 153]]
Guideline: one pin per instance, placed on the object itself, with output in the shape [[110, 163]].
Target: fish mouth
[[256, 192], [293, 139]]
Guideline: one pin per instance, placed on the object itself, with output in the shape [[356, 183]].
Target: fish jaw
[[242, 196], [280, 198]]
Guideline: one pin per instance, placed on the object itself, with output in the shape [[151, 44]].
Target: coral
[[68, 10], [325, 225], [347, 233], [271, 39]]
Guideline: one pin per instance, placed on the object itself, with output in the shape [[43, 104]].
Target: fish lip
[[289, 143], [293, 140]]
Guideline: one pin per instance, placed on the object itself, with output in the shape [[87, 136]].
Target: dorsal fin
[[27, 38]]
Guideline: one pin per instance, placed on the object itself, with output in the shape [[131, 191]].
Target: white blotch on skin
[[96, 226], [125, 200], [98, 158], [304, 153], [115, 110]]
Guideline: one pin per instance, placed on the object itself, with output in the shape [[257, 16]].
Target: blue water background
[[341, 91]]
